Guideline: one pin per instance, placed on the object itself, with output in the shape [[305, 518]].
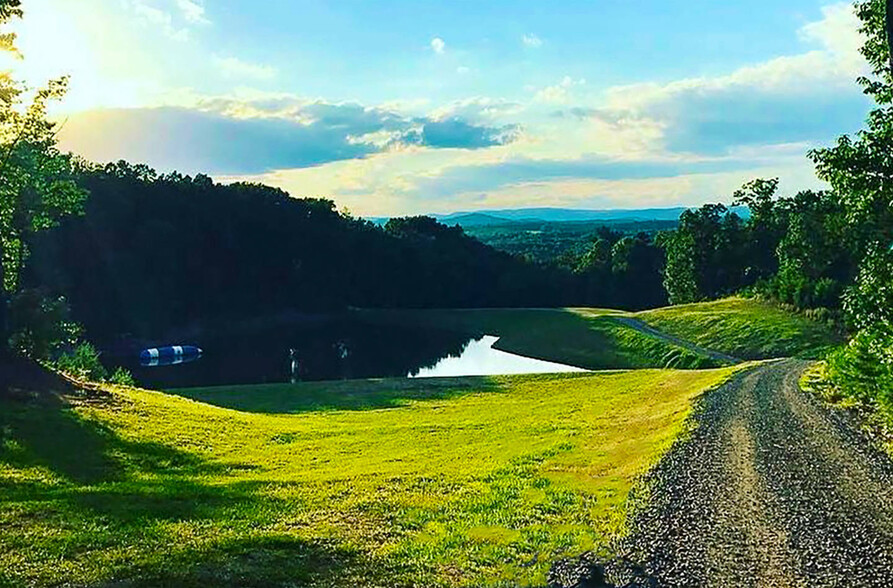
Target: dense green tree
[[860, 172], [764, 228], [681, 272], [860, 169], [154, 254], [706, 257], [636, 266], [36, 184], [814, 260]]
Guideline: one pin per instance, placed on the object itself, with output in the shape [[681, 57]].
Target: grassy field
[[451, 482], [586, 338], [745, 328]]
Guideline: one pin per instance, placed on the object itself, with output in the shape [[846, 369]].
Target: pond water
[[331, 349], [478, 358]]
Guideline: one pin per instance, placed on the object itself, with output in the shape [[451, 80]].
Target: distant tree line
[[561, 242]]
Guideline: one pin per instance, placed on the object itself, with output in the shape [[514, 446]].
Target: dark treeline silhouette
[[154, 252]]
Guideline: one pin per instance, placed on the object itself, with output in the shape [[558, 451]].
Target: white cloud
[[158, 18], [234, 67], [559, 93], [838, 31], [438, 45], [834, 65], [532, 41], [479, 109], [806, 97], [192, 11]]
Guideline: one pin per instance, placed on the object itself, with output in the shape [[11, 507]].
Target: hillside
[[746, 328], [686, 336], [449, 482], [439, 482]]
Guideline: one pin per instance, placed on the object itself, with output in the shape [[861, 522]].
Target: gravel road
[[647, 329], [770, 490]]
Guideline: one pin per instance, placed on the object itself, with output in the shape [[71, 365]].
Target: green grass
[[584, 337], [454, 482], [745, 328]]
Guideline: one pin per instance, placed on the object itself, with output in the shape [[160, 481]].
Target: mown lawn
[[745, 328], [584, 337], [452, 482]]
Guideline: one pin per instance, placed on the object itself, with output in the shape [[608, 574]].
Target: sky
[[400, 107]]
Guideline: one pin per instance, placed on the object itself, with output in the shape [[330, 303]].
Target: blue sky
[[398, 107]]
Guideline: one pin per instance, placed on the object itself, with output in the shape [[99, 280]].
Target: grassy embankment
[[745, 328], [587, 338], [441, 482], [391, 482]]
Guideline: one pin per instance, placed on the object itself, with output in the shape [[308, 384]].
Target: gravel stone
[[771, 489]]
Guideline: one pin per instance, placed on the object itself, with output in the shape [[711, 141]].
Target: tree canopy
[[37, 188]]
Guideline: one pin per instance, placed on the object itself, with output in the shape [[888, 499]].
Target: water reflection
[[326, 349], [480, 359], [331, 349]]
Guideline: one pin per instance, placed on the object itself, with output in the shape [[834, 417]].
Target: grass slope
[[583, 337], [453, 482], [745, 328]]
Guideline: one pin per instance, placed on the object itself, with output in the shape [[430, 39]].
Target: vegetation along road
[[642, 327], [770, 489]]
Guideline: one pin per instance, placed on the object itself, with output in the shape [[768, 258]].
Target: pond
[[478, 358], [332, 349]]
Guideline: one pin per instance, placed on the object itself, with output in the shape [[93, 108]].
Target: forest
[[148, 254]]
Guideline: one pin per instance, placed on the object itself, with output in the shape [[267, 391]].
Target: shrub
[[39, 324], [82, 363], [122, 377], [864, 368]]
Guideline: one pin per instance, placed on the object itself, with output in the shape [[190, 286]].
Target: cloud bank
[[225, 136], [575, 140]]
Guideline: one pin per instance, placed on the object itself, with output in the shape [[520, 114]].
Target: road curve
[[647, 329], [771, 489]]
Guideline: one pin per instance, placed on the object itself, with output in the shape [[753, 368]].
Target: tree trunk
[[4, 309], [890, 33]]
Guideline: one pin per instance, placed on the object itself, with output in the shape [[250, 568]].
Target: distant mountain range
[[521, 215], [559, 215]]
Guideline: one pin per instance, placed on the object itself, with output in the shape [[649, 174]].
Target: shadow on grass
[[338, 395], [119, 494], [260, 562], [43, 430]]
